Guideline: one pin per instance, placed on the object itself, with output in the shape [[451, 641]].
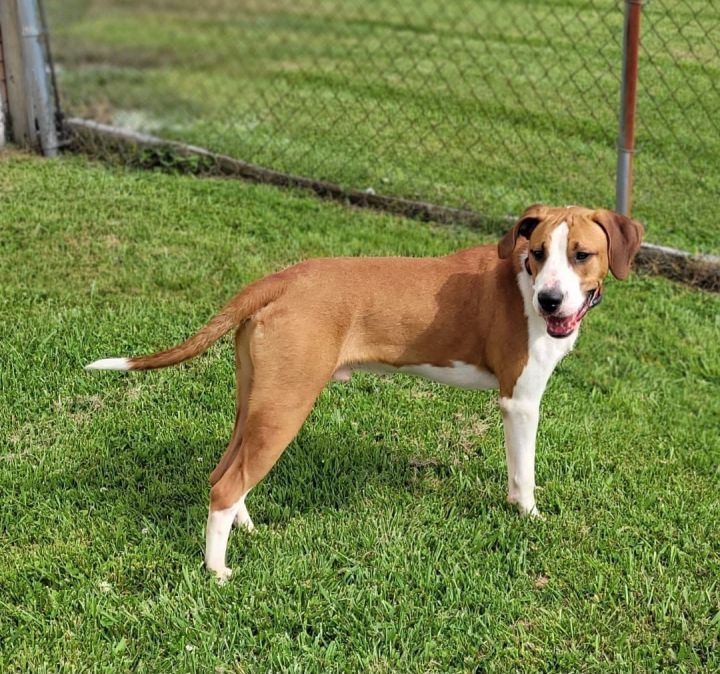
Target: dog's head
[[567, 252]]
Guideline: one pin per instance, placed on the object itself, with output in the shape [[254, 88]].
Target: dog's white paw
[[526, 509], [222, 575], [243, 521], [535, 514]]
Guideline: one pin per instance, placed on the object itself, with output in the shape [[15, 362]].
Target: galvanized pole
[[628, 98], [3, 94], [37, 77], [31, 103]]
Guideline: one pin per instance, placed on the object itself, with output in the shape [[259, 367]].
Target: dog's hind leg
[[267, 432], [243, 379], [283, 391]]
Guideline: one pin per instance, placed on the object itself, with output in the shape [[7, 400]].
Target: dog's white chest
[[462, 375]]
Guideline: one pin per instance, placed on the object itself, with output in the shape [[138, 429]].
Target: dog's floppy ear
[[624, 236], [523, 227]]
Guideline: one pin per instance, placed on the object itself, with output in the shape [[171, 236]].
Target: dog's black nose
[[550, 300]]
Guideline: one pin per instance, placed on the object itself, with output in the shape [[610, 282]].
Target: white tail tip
[[109, 364]]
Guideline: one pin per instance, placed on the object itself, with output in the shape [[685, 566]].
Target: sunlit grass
[[384, 543]]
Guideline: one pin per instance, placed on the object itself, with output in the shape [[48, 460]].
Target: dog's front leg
[[520, 419]]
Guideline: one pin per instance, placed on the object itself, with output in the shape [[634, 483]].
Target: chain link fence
[[485, 105]]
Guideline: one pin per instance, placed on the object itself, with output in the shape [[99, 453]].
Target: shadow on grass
[[162, 483]]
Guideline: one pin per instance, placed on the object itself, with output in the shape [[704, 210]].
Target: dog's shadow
[[161, 481], [331, 465]]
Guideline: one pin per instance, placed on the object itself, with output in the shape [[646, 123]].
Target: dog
[[487, 317]]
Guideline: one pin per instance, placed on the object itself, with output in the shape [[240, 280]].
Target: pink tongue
[[563, 325]]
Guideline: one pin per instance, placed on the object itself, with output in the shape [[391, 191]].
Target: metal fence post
[[30, 101], [3, 93], [628, 99]]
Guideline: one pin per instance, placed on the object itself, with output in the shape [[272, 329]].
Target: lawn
[[384, 543], [489, 104]]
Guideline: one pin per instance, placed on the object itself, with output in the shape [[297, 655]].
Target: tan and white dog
[[487, 317]]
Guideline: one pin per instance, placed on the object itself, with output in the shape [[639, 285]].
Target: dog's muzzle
[[564, 326]]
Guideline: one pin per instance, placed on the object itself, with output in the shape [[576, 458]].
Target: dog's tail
[[233, 314]]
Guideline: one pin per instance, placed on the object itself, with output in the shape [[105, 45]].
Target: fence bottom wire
[[147, 151]]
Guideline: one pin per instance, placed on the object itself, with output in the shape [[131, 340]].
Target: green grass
[[383, 544], [490, 105]]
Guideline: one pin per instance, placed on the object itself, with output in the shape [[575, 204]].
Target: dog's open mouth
[[564, 326]]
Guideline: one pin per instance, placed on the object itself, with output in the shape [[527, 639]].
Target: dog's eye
[[581, 256], [538, 254]]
